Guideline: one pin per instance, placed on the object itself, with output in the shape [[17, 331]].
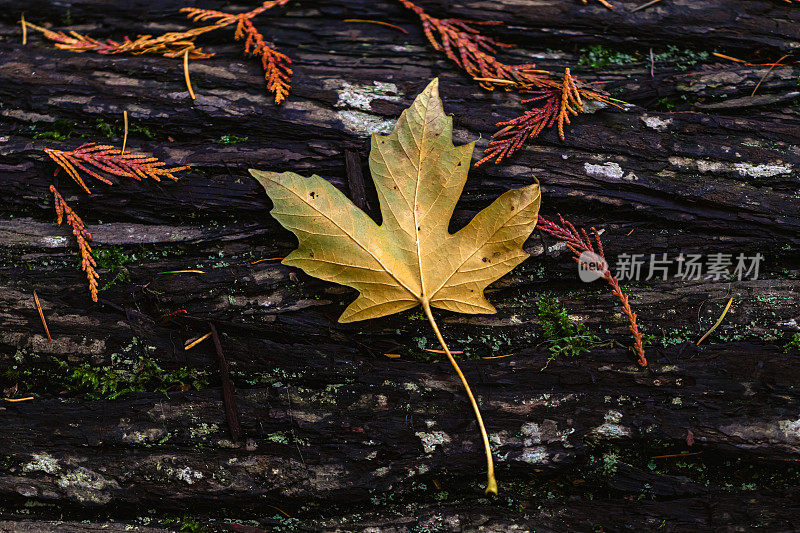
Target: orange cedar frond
[[83, 236], [468, 48], [268, 4], [106, 158], [196, 14], [171, 44], [556, 99], [604, 2], [277, 71], [579, 242], [200, 15], [180, 44]]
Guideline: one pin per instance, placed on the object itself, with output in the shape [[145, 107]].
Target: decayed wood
[[334, 433]]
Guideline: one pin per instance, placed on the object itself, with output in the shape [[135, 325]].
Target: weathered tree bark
[[333, 433]]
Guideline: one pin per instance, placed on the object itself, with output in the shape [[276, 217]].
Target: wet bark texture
[[334, 435]]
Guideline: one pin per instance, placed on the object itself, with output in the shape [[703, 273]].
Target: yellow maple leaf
[[411, 258]]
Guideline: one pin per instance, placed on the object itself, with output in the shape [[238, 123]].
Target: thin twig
[[24, 30], [228, 392], [652, 64], [41, 315], [186, 73]]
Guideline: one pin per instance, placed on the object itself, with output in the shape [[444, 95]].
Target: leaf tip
[[432, 90]]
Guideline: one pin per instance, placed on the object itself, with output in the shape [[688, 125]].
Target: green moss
[[105, 128], [184, 523], [144, 375], [67, 19], [565, 337], [599, 57], [231, 139], [131, 370], [113, 260], [116, 129], [61, 131], [285, 524], [794, 343], [682, 59]]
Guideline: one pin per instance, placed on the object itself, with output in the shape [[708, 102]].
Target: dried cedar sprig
[[106, 158], [276, 64], [83, 236], [276, 67], [468, 48], [277, 71], [555, 97], [579, 242], [604, 2], [198, 15], [171, 44], [554, 100]]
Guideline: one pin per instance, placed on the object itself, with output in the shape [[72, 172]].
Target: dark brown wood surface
[[332, 432]]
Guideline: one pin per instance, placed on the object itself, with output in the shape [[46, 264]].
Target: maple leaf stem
[[491, 481]]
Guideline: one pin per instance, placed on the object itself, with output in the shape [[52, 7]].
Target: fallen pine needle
[[392, 355], [24, 30], [192, 343], [454, 352], [267, 259], [19, 399], [284, 513], [498, 356], [125, 132], [675, 455], [183, 272], [742, 61], [644, 6], [377, 22], [495, 80], [729, 58], [775, 64], [41, 315], [718, 322], [186, 73]]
